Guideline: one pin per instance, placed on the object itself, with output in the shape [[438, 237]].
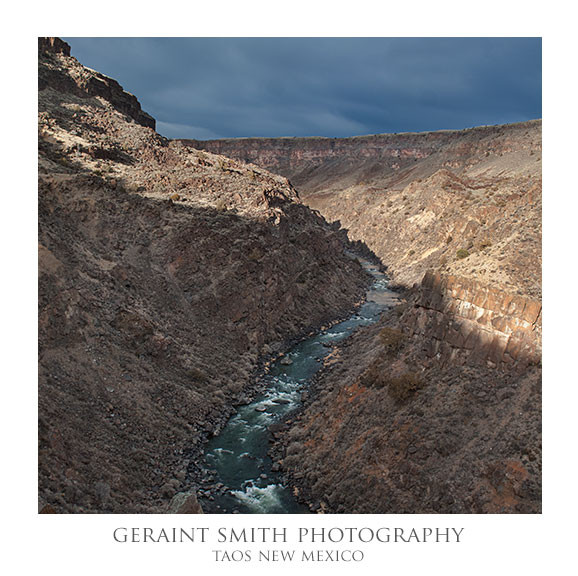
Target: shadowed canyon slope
[[437, 408], [165, 275]]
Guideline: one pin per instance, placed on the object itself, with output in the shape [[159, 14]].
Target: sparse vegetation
[[484, 244], [391, 339], [400, 309], [462, 253], [197, 375], [256, 254], [404, 387], [373, 376]]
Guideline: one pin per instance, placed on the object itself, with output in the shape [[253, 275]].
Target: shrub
[[392, 339], [256, 254], [374, 376], [404, 387], [221, 205], [449, 239], [196, 375], [175, 197], [400, 309], [484, 244], [462, 253]]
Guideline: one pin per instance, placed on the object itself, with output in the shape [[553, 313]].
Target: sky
[[205, 88]]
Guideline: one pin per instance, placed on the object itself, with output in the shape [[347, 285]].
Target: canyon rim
[[174, 274]]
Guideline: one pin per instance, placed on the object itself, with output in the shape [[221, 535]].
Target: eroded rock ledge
[[83, 82], [459, 318]]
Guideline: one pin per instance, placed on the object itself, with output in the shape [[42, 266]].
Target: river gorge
[[172, 271], [245, 478]]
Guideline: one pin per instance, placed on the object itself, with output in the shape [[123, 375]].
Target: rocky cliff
[[460, 319], [83, 82], [437, 409], [394, 160], [165, 276], [465, 205]]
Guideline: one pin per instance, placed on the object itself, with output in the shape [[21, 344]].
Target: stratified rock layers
[[455, 315]]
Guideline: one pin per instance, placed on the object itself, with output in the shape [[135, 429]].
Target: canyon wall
[[166, 275], [463, 207], [438, 407], [389, 428], [459, 319], [316, 164]]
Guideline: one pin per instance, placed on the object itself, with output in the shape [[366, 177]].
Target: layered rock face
[[165, 275], [460, 317], [394, 160], [437, 408], [462, 204]]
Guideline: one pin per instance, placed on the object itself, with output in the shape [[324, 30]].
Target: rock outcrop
[[185, 503], [53, 45], [73, 78], [165, 276], [459, 319]]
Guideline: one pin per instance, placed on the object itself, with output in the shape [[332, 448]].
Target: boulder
[[185, 503]]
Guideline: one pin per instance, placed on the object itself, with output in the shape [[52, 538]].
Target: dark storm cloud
[[231, 87]]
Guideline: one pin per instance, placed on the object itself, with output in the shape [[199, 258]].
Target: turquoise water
[[238, 454]]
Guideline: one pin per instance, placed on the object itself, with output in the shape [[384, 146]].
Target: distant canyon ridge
[[458, 210]]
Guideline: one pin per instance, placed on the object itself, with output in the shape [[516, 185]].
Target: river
[[244, 477]]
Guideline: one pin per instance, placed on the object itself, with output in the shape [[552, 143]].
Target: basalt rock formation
[[85, 83], [437, 408], [463, 206], [165, 275]]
